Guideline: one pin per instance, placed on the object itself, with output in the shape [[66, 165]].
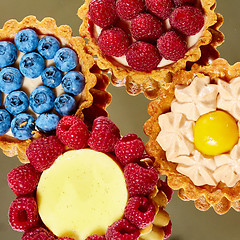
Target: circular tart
[[144, 46], [194, 135]]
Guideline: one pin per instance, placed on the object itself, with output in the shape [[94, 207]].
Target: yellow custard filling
[[81, 194]]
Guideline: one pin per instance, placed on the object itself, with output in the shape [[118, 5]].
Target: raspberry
[[65, 238], [23, 213], [38, 234], [102, 12], [140, 211], [143, 56], [168, 230], [72, 132], [23, 179], [128, 9], [160, 8], [146, 27], [95, 237], [171, 46], [139, 180], [104, 135], [129, 148], [44, 151], [182, 2], [113, 42], [166, 189], [122, 229], [187, 20]]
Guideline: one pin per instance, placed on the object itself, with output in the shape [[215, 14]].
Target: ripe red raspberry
[[23, 214], [95, 237], [23, 179], [187, 20], [129, 148], [143, 56], [146, 27], [113, 42], [128, 9], [168, 230], [102, 12], [72, 132], [39, 233], [160, 8], [65, 238], [140, 211], [139, 180], [44, 151], [166, 189], [122, 229], [171, 46], [182, 2], [104, 135]]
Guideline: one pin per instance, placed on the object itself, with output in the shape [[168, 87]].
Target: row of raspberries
[[72, 133]]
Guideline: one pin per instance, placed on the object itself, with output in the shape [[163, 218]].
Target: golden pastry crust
[[150, 83], [11, 146], [221, 197]]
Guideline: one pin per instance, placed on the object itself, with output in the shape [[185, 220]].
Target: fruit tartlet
[[45, 74], [89, 185], [144, 42], [194, 135]]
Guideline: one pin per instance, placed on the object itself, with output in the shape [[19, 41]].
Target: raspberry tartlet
[[194, 135], [89, 185], [143, 43], [45, 74]]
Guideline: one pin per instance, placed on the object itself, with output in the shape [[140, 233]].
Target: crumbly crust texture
[[150, 83], [11, 146], [221, 197]]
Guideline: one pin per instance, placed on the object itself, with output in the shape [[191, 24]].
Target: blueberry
[[5, 121], [23, 126], [47, 122], [51, 77], [26, 40], [8, 54], [10, 79], [16, 102], [65, 104], [41, 99], [32, 65], [48, 46], [73, 82], [65, 59]]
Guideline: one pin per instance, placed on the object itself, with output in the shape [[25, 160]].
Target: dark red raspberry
[[44, 151], [171, 46], [188, 20], [65, 238], [168, 230], [139, 180], [129, 148], [23, 179], [113, 42], [38, 234], [122, 229], [72, 132], [140, 211], [23, 214], [104, 135], [143, 56], [95, 237], [128, 9], [146, 27], [102, 12], [160, 8], [166, 189], [182, 2]]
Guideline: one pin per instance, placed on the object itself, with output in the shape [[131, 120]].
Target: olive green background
[[129, 113]]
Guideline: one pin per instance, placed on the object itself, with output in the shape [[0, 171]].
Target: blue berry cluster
[[42, 99]]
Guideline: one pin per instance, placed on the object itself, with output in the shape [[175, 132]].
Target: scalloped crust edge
[[221, 197], [150, 83], [12, 146]]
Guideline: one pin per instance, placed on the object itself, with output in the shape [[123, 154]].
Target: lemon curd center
[[215, 133], [81, 194]]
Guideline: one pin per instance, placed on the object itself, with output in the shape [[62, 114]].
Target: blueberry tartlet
[[194, 135], [89, 185], [45, 74], [144, 42]]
